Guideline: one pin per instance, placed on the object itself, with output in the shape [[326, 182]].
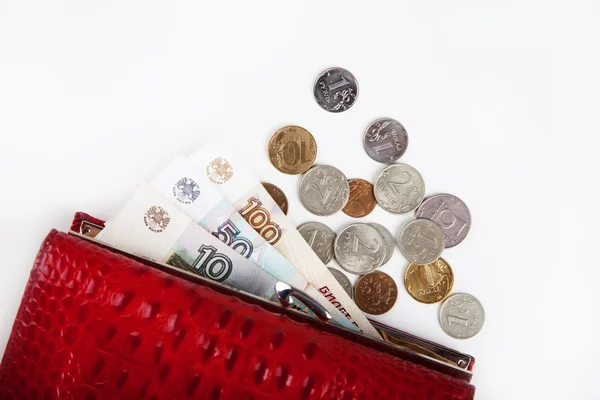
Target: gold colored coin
[[277, 195], [362, 199], [292, 150], [429, 283], [375, 293]]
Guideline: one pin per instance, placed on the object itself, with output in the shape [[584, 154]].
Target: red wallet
[[96, 323]]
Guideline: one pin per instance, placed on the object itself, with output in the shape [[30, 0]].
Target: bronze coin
[[292, 150], [277, 195], [375, 293], [362, 199], [429, 283]]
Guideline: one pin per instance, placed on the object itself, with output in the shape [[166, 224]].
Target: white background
[[497, 98]]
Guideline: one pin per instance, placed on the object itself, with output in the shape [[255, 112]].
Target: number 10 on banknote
[[229, 174]]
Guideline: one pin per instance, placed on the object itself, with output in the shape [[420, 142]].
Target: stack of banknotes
[[209, 215]]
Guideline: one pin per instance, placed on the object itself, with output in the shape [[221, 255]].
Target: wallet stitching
[[26, 295]]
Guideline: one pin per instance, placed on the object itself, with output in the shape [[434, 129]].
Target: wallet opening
[[395, 342]]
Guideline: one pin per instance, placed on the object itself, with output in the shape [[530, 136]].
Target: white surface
[[497, 98]]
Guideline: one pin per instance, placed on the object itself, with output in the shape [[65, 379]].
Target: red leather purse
[[95, 323]]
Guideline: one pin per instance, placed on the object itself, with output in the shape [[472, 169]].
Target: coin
[[461, 316], [336, 90], [450, 213], [429, 283], [375, 293], [421, 241], [399, 188], [320, 238], [385, 140], [362, 199], [388, 240], [292, 150], [277, 195], [359, 249], [324, 190], [342, 280]]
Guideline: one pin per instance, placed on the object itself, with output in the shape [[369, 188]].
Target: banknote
[[191, 192], [229, 174], [152, 227]]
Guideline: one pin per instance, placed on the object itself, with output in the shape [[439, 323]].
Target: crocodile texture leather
[[94, 324]]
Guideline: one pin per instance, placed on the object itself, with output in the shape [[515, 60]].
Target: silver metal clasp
[[90, 230], [286, 295], [423, 347]]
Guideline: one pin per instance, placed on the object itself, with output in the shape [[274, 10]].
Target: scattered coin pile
[[441, 220]]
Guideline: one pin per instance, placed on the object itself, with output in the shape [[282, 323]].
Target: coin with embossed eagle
[[375, 293], [361, 200]]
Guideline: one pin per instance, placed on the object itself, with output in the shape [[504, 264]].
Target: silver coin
[[450, 213], [385, 140], [461, 316], [421, 241], [336, 90], [388, 240], [359, 249], [342, 280], [320, 238], [399, 188], [324, 190]]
